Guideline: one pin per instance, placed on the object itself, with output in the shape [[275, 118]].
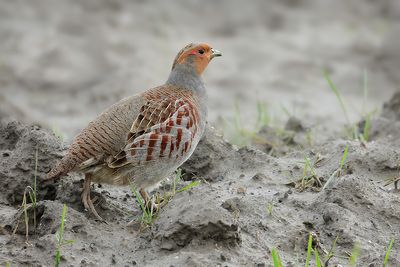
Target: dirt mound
[[18, 147]]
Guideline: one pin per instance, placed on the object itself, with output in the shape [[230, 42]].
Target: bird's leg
[[149, 202], [87, 201]]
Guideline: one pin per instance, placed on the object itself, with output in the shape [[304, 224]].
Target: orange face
[[199, 54]]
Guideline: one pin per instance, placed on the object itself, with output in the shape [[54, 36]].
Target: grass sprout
[[149, 214], [317, 259], [337, 94], [32, 190], [352, 258], [263, 117], [388, 252], [338, 171], [26, 217], [309, 177], [354, 254], [367, 126], [57, 133], [60, 237], [309, 249], [189, 186], [357, 131], [239, 134], [331, 252], [270, 207], [275, 257]]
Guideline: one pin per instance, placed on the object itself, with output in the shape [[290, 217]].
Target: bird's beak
[[215, 53]]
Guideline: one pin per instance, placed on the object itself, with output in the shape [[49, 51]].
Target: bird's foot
[[88, 204], [87, 200], [154, 205]]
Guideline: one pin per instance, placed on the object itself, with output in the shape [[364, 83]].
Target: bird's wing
[[163, 129]]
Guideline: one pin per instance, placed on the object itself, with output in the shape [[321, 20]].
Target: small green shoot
[[177, 178], [354, 255], [32, 190], [309, 177], [367, 127], [191, 185], [337, 94], [309, 249], [57, 133], [148, 216], [317, 259], [366, 116], [277, 260], [344, 157], [338, 172], [239, 134], [24, 205], [8, 264], [352, 258], [60, 237], [331, 252], [286, 111], [263, 117], [388, 252], [270, 206], [309, 137]]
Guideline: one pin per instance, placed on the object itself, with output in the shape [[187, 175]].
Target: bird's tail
[[62, 168]]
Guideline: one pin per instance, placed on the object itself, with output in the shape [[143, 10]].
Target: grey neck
[[186, 77]]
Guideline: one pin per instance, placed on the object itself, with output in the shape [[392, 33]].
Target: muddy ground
[[248, 203], [61, 63]]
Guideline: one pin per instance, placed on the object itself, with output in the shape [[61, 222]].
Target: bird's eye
[[201, 51]]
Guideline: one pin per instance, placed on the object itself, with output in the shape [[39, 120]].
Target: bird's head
[[196, 56]]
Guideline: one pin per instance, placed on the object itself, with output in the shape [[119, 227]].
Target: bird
[[144, 138]]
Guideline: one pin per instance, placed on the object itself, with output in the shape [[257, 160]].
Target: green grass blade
[[25, 216], [344, 157], [191, 185], [331, 252], [276, 258], [337, 94], [309, 249], [263, 118], [339, 170], [330, 180], [177, 178], [367, 127], [147, 215], [354, 255], [60, 237], [317, 259], [388, 252]]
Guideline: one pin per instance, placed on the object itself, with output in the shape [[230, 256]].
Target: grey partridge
[[144, 138]]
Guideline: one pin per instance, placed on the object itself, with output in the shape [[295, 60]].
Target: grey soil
[[248, 203]]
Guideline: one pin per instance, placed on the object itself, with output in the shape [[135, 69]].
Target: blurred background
[[63, 62]]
